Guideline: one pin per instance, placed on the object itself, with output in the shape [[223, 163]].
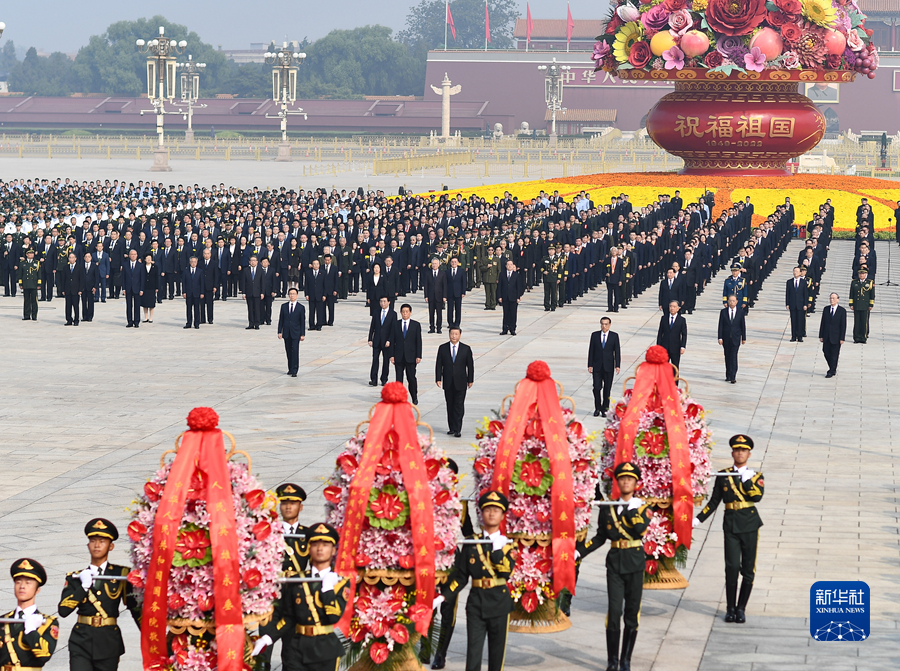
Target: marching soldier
[[735, 286], [310, 610], [862, 300], [95, 643], [29, 276], [489, 566], [740, 493], [296, 554], [624, 526], [27, 645], [550, 274]]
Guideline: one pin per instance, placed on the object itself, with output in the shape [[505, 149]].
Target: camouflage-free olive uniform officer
[[740, 493], [736, 286], [310, 611], [489, 603], [862, 300], [29, 277], [95, 643], [549, 270], [490, 275], [28, 646], [624, 526]]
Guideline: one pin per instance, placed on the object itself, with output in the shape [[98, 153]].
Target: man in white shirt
[[34, 640]]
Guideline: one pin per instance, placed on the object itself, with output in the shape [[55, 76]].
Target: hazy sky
[[234, 24]]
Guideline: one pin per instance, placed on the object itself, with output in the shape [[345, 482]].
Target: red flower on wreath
[[332, 493], [620, 410], [669, 549], [442, 497], [348, 463], [387, 506], [482, 466], [399, 633], [206, 602], [192, 544], [407, 561], [153, 491], [418, 612], [390, 461], [134, 577], [136, 531], [609, 435], [653, 443], [255, 498], [262, 530], [649, 547], [730, 17], [544, 565], [651, 567], [379, 652], [432, 468], [532, 473], [529, 602], [252, 577], [495, 427], [203, 419], [357, 631], [176, 602]]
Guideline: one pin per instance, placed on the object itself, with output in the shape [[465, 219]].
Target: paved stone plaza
[[86, 412]]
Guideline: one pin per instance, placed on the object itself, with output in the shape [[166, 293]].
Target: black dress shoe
[[596, 413], [502, 332], [431, 330], [450, 432], [603, 413], [729, 615], [372, 383], [512, 333], [734, 382], [256, 328], [196, 327], [415, 401], [739, 616], [249, 328], [829, 374], [188, 326], [440, 661], [26, 319], [458, 434], [293, 374]]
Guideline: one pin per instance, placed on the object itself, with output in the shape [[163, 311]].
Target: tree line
[[352, 63]]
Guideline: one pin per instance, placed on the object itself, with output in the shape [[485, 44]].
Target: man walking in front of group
[[672, 333], [406, 348], [832, 331], [192, 292], [509, 297], [292, 329], [604, 360], [253, 293], [72, 284], [380, 333], [455, 374], [435, 295], [732, 334]]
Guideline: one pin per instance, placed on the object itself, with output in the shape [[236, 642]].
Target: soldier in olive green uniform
[[29, 645], [740, 493], [30, 280], [862, 300], [490, 274], [489, 565], [95, 643], [310, 610], [624, 526], [549, 270]]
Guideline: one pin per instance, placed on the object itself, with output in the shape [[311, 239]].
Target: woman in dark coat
[[376, 289], [151, 286]]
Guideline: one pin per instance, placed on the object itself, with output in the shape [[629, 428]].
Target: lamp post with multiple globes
[[161, 53], [553, 93], [284, 91], [190, 92]]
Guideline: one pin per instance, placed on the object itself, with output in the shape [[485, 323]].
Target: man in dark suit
[[456, 291], [690, 281], [671, 289], [101, 259], [615, 275], [253, 293], [72, 284], [391, 275], [315, 293], [116, 259], [166, 260], [193, 293], [796, 300], [406, 349], [292, 329], [210, 272], [330, 286], [672, 333], [455, 372], [832, 331], [89, 290], [508, 295], [380, 333], [269, 290], [604, 360], [732, 334], [435, 294], [134, 277], [222, 258]]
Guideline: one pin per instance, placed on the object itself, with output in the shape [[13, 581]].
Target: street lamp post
[[284, 91], [161, 53], [553, 93], [190, 92], [2, 28]]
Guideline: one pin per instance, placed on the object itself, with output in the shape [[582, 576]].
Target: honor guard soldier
[[549, 271], [740, 493], [27, 646], [489, 565], [624, 526], [735, 286], [310, 610], [30, 281], [490, 275], [296, 555], [95, 643], [448, 607], [862, 300]]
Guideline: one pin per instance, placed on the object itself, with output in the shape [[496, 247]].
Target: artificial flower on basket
[[656, 426], [212, 537], [727, 36], [539, 456], [396, 502]]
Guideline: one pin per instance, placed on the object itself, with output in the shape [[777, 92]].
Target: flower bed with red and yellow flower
[[806, 192], [532, 519], [193, 599], [646, 440], [388, 613]]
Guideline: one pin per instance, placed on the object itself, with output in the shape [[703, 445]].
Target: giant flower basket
[[206, 551], [659, 427], [396, 502], [539, 456], [736, 66]]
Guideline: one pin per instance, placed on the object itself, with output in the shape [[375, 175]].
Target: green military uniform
[[490, 274], [862, 299], [549, 270], [20, 651], [29, 278], [489, 603], [624, 526], [95, 643], [309, 611], [741, 524], [480, 249]]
